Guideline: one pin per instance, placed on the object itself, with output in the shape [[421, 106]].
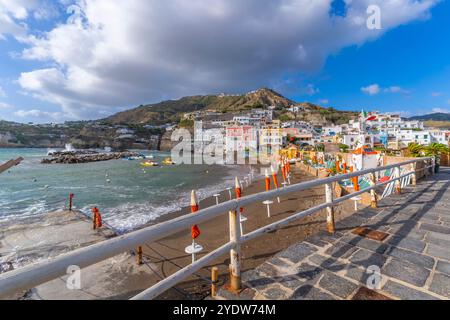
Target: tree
[[344, 148], [435, 149], [415, 149], [186, 123], [320, 147]]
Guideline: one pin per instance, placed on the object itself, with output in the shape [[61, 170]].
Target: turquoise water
[[131, 199]]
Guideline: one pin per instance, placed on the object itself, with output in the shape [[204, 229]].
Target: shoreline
[[167, 256]]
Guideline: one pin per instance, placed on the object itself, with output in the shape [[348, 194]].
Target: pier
[[393, 225], [405, 245]]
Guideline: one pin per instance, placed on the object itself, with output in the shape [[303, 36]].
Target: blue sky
[[54, 70], [415, 57]]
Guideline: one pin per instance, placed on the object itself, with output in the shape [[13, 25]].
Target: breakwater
[[73, 157]]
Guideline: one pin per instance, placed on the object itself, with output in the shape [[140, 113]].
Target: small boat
[[149, 164], [168, 162], [149, 157]]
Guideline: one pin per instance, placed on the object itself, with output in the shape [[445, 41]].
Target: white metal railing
[[33, 275]]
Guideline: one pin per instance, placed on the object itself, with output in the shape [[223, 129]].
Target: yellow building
[[271, 138]]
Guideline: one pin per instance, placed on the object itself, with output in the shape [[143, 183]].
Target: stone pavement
[[414, 258]]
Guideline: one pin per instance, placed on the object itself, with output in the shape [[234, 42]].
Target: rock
[[85, 156]]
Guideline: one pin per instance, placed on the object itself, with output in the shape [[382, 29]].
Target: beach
[[121, 278], [168, 254], [127, 194]]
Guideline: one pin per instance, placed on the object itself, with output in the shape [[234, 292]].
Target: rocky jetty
[[72, 157]]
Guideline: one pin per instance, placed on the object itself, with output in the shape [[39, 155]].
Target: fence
[[34, 275]]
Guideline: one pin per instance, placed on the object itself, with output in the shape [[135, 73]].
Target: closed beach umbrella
[[267, 181], [195, 231]]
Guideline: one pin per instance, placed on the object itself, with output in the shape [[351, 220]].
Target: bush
[[344, 148], [186, 123]]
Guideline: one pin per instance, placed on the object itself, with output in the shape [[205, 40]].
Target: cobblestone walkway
[[414, 258]]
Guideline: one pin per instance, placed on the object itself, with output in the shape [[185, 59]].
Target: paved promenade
[[411, 250]]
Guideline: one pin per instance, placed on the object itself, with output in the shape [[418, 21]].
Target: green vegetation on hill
[[432, 117], [434, 120], [172, 111]]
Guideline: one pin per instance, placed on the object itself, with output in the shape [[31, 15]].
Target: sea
[[128, 195]]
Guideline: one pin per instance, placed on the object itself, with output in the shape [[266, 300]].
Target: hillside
[[435, 120], [433, 117], [172, 110], [104, 132]]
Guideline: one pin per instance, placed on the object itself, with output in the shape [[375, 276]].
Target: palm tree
[[415, 149], [435, 150]]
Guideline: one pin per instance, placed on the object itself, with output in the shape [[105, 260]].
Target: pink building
[[240, 138]]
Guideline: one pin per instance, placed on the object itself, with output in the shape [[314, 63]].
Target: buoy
[[195, 231], [344, 165], [108, 181], [275, 180], [242, 219]]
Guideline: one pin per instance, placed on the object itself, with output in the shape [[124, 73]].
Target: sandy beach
[[121, 278], [166, 256]]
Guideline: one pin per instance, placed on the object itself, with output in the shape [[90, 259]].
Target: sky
[[86, 59]]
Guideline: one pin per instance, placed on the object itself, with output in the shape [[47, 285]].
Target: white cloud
[[371, 90], [441, 110], [436, 94], [375, 89], [311, 90], [4, 106], [396, 89], [324, 101], [2, 93], [14, 15], [37, 114], [124, 53]]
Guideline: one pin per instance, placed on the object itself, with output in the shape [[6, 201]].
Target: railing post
[[235, 253], [330, 209], [433, 165], [373, 193], [414, 175], [71, 201], [214, 279], [139, 253], [398, 183]]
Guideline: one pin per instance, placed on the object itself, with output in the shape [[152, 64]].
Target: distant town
[[251, 124]]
